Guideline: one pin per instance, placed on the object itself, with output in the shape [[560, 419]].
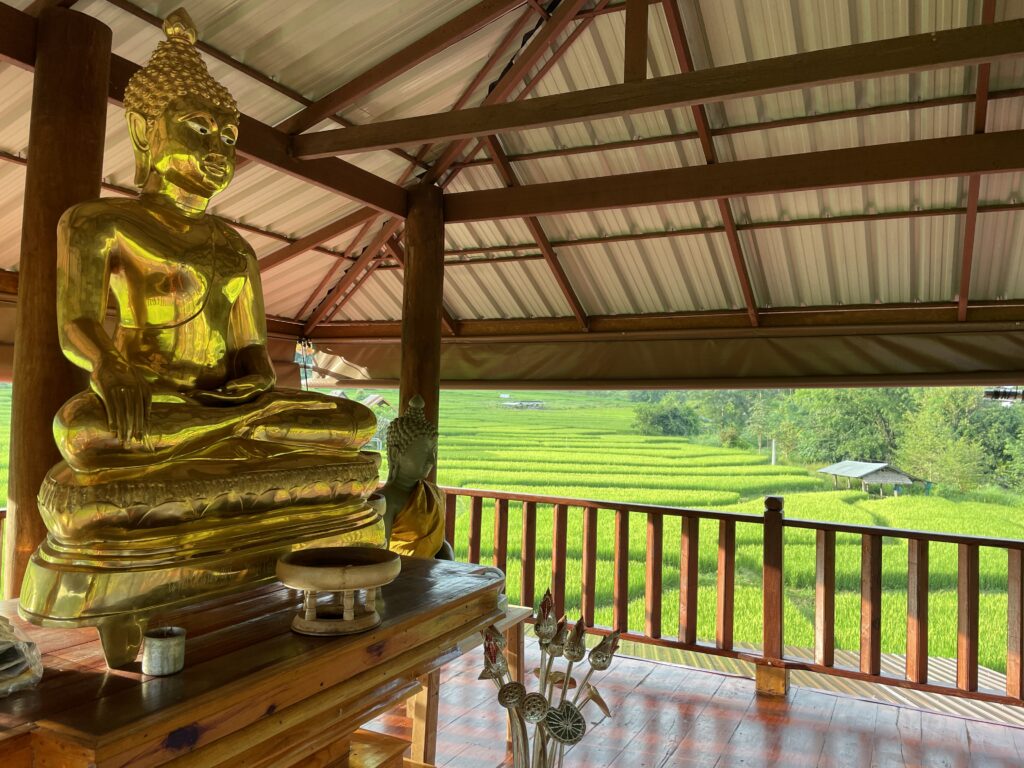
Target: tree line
[[951, 435]]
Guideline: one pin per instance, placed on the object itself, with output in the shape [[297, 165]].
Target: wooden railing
[[772, 648]]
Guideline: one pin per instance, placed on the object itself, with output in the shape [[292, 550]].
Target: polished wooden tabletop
[[242, 662]]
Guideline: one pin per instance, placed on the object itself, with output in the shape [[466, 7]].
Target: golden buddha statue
[[186, 472], [414, 519]]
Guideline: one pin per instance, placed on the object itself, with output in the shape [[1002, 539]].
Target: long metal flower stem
[[582, 685], [565, 682]]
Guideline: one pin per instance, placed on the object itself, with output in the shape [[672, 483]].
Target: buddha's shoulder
[[235, 240], [104, 210]]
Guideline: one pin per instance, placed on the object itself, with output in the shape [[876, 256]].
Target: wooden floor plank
[[666, 716]]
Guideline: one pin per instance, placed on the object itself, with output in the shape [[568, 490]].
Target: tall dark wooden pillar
[[422, 298], [65, 165]]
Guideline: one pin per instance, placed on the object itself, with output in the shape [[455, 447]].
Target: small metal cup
[[163, 651]]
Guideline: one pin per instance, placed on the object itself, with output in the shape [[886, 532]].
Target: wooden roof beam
[[324, 310], [724, 323], [256, 140], [700, 119], [635, 58], [462, 26], [315, 238], [512, 77], [508, 176], [988, 16], [924, 159], [448, 322], [969, 45], [332, 273]]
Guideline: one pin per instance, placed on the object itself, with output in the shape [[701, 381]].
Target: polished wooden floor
[[669, 716]]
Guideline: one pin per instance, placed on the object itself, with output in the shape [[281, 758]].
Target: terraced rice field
[[582, 445]]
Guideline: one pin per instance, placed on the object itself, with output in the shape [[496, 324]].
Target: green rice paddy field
[[582, 445]]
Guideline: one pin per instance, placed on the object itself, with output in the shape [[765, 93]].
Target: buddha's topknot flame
[[175, 69]]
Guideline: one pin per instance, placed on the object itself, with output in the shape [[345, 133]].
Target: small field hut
[[869, 473]]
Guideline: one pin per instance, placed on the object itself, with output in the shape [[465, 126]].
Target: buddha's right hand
[[126, 397]]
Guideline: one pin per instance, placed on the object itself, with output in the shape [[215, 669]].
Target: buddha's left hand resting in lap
[[185, 373]]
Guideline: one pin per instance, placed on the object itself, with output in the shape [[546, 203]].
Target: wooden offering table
[[253, 693]]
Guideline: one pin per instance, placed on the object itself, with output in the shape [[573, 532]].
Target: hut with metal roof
[[868, 473]]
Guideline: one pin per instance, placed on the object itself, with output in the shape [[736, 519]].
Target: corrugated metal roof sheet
[[315, 45]]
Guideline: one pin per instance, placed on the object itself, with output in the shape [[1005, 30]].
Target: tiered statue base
[[121, 550]]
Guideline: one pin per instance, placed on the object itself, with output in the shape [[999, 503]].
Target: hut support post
[[65, 166], [422, 295]]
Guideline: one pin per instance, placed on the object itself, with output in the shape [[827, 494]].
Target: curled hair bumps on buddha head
[[407, 427], [175, 69]]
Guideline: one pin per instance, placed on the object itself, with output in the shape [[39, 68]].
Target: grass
[[582, 445]]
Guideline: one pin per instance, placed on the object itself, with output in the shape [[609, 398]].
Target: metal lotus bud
[[565, 723], [557, 642], [546, 623], [492, 635], [511, 695], [601, 655], [534, 707], [576, 644]]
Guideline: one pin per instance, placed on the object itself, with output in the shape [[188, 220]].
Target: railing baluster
[[769, 679], [726, 583], [526, 596], [589, 564], [1015, 624], [825, 598], [501, 534], [652, 587], [871, 604], [917, 610], [450, 505], [620, 618], [476, 511], [688, 574], [558, 542], [967, 617]]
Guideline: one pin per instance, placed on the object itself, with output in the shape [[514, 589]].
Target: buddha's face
[[417, 461], [191, 145]]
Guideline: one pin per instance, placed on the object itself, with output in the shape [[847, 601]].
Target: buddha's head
[[412, 445], [183, 123]]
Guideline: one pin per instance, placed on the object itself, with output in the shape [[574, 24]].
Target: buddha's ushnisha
[[185, 372]]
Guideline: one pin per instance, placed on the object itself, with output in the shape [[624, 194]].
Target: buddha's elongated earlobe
[[137, 125]]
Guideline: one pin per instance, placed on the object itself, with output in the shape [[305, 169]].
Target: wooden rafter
[[732, 130], [466, 23], [256, 140], [508, 176], [332, 229], [630, 237], [924, 159], [511, 78], [967, 45], [903, 318], [252, 72], [332, 273], [988, 16], [700, 120], [635, 58], [315, 238], [395, 247], [526, 90], [326, 308]]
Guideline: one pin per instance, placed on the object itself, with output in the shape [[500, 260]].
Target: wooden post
[[773, 680], [422, 294], [635, 57], [66, 135]]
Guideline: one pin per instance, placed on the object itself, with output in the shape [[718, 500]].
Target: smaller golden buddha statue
[[186, 470], [414, 521]]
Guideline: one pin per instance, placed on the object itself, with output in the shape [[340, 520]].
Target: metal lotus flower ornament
[[557, 719]]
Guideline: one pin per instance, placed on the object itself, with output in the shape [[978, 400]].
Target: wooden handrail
[[771, 655]]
